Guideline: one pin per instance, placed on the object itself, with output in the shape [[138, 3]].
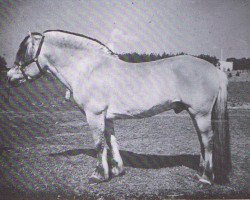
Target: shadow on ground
[[144, 161]]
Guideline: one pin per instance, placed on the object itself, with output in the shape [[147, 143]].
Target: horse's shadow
[[144, 161]]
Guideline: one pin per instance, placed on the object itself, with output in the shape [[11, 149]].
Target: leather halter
[[35, 59]]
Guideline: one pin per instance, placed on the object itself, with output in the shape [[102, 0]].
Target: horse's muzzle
[[15, 82], [14, 78]]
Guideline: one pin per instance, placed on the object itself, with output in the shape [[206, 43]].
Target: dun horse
[[107, 88]]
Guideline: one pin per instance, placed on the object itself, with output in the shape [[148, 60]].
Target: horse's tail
[[221, 151]]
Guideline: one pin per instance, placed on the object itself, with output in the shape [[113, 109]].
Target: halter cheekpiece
[[35, 59]]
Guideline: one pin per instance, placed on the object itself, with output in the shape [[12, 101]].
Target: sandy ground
[[50, 155]]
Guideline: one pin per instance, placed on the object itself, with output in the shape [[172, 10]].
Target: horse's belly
[[140, 97], [127, 112]]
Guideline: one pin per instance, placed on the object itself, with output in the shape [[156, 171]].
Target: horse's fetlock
[[114, 163], [208, 172]]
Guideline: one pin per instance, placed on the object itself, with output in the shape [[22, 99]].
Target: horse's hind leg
[[97, 126], [205, 128], [115, 160], [202, 154]]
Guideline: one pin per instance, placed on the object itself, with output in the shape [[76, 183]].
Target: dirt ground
[[50, 156], [46, 151]]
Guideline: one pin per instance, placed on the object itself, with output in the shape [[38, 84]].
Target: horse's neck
[[69, 65], [70, 41]]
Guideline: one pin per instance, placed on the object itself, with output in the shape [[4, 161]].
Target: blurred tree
[[158, 57], [152, 57], [137, 58], [181, 54], [211, 59], [164, 55], [240, 64]]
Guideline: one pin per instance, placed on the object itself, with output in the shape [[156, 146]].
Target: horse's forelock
[[23, 47], [20, 56]]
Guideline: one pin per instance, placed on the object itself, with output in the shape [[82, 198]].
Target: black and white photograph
[[124, 99]]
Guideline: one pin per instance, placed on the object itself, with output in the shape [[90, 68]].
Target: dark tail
[[221, 153]]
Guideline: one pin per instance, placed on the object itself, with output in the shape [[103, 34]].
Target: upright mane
[[82, 36]]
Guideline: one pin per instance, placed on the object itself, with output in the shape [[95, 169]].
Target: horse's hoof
[[203, 179], [117, 172], [96, 178]]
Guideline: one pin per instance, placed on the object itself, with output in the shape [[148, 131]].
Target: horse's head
[[26, 66]]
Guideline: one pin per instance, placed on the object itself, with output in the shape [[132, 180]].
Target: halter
[[35, 59]]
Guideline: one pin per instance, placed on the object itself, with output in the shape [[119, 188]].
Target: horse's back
[[133, 89], [138, 88]]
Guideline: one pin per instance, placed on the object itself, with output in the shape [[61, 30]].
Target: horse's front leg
[[115, 159], [97, 126]]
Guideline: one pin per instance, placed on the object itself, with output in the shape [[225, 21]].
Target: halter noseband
[[35, 59]]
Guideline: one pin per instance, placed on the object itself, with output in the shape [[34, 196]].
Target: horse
[[106, 88]]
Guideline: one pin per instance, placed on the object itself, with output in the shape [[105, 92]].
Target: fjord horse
[[107, 88]]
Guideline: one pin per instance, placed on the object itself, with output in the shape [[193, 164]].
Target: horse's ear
[[29, 33]]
